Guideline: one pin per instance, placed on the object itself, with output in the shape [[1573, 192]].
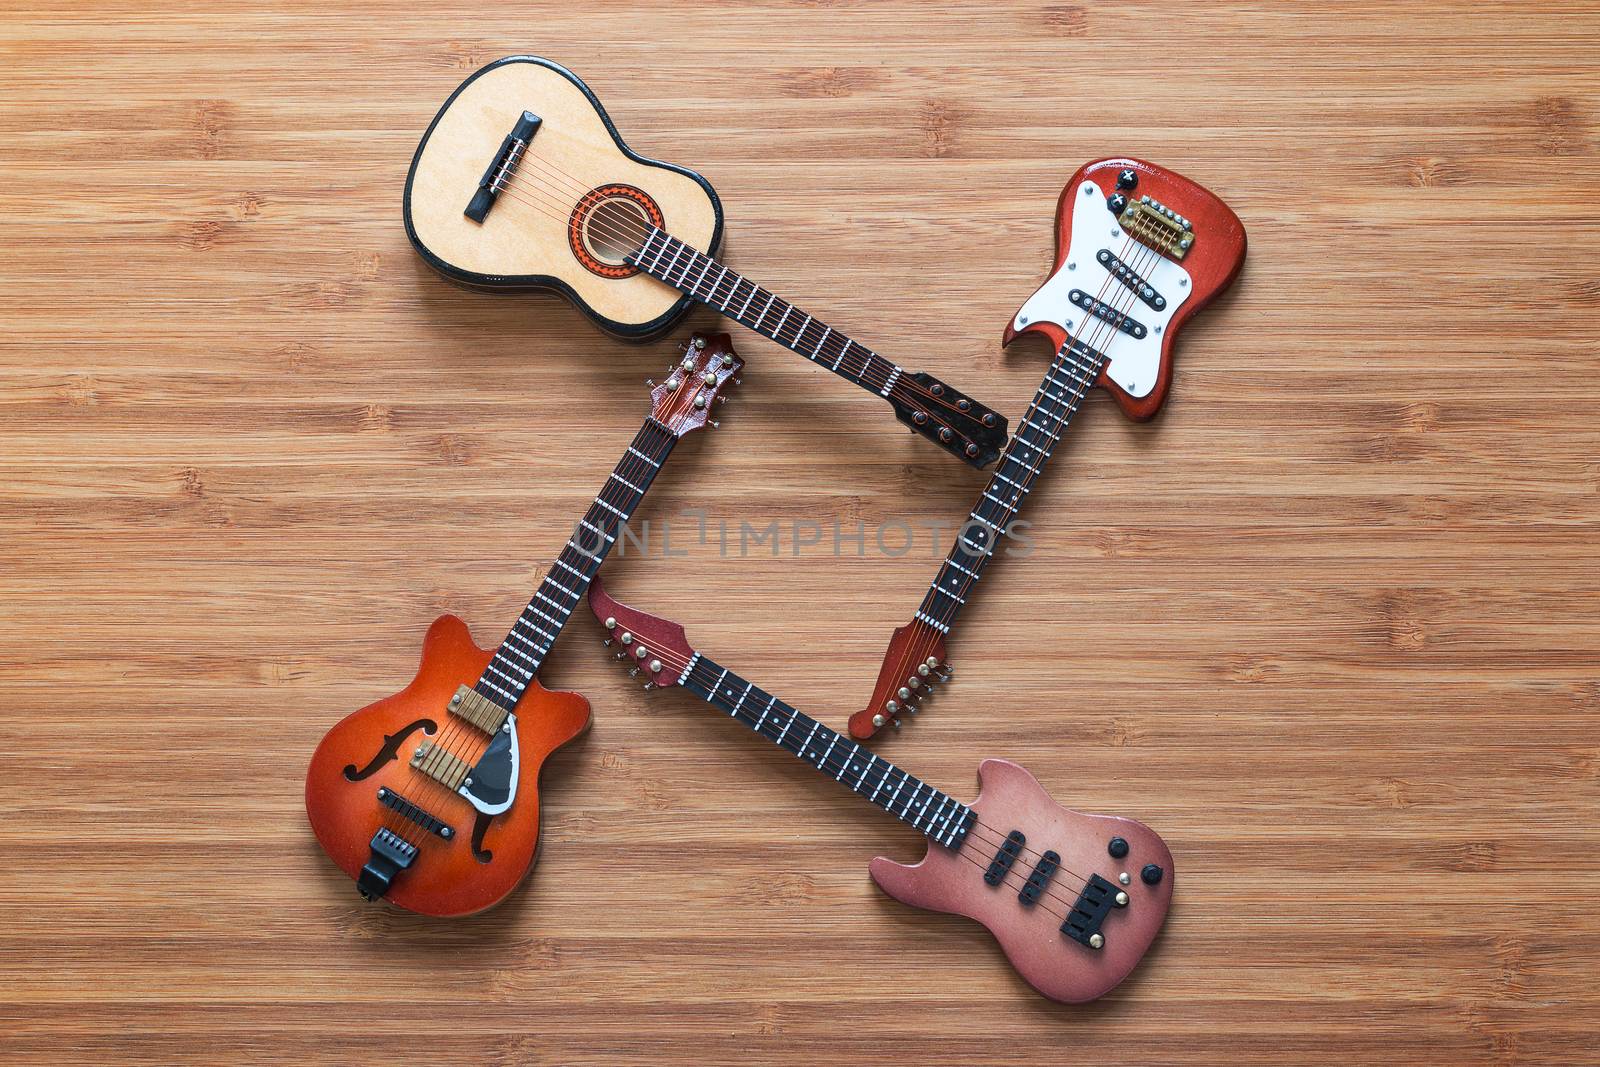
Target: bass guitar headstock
[[655, 649], [952, 420], [694, 384]]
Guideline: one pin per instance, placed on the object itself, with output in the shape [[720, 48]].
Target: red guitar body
[[1212, 263], [485, 857]]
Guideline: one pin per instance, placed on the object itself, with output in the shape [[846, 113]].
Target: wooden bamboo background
[[1329, 624]]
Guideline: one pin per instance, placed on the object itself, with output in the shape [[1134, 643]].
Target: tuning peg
[[651, 382], [606, 642], [895, 723], [649, 686], [715, 425], [722, 399], [633, 672], [736, 381]]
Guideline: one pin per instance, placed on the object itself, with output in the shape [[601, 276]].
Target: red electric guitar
[[430, 797], [1074, 900], [1139, 250]]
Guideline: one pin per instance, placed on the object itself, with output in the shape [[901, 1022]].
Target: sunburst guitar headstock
[[693, 388]]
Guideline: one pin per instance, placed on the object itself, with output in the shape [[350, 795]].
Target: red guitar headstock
[[694, 383], [913, 665], [656, 647]]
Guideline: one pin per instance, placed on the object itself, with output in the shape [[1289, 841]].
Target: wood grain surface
[[1328, 624]]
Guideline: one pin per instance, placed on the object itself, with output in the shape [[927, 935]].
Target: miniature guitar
[[1074, 900], [1139, 250], [521, 182], [430, 797]]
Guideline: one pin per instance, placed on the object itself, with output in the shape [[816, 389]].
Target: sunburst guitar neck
[[1139, 250], [1074, 900], [522, 182], [430, 798]]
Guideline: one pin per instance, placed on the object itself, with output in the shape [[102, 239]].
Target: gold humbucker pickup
[[441, 765], [1153, 223], [479, 710]]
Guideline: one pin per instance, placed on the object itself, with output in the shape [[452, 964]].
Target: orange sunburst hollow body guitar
[[430, 798]]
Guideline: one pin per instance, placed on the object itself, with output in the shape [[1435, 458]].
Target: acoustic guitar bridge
[[503, 166]]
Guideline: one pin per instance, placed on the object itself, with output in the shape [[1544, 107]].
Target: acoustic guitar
[[1139, 250], [1057, 888], [522, 182], [430, 797]]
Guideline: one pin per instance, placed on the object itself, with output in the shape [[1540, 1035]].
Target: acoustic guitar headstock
[[656, 648], [695, 383]]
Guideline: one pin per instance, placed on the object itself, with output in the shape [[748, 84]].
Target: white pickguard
[[1133, 361]]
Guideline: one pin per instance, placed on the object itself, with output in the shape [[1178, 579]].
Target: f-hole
[[479, 828], [390, 749]]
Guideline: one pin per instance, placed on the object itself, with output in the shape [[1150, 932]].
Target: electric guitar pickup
[[430, 797], [1139, 250], [1074, 900], [522, 182]]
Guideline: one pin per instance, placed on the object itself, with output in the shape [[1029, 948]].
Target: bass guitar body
[[1096, 893], [363, 778], [522, 182]]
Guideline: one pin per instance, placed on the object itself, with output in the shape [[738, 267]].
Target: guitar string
[[1102, 333], [555, 207], [710, 683], [634, 469]]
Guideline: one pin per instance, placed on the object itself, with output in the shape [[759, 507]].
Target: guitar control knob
[[1151, 874], [1127, 178], [1117, 203], [1118, 847]]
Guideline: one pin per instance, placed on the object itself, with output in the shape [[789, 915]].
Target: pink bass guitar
[[1075, 900]]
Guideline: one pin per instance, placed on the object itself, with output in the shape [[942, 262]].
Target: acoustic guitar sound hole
[[608, 224]]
